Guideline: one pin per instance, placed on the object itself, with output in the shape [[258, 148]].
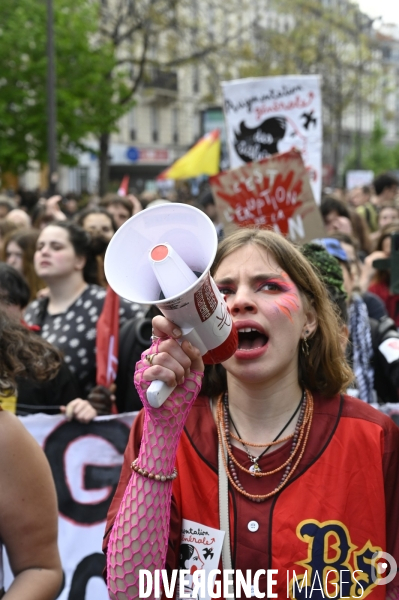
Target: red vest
[[340, 507], [329, 518]]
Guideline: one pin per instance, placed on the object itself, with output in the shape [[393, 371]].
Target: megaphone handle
[[158, 392]]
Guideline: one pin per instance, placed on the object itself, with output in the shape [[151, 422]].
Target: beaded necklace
[[299, 441], [255, 468]]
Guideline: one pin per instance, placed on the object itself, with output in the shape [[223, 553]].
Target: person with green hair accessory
[[374, 342], [329, 271], [326, 259]]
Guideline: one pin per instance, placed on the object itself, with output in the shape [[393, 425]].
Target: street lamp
[[51, 103]]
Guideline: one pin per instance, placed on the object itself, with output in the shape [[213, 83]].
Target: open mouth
[[251, 339]]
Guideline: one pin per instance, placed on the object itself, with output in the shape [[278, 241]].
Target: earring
[[305, 345]]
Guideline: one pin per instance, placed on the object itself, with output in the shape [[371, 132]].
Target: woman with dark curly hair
[[28, 503], [24, 354]]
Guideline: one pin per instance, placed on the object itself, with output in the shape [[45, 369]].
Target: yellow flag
[[8, 403], [202, 159]]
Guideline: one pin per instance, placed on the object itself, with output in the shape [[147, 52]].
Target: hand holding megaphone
[[163, 256], [174, 359]]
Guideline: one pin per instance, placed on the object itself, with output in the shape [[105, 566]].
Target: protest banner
[[270, 115], [274, 192], [85, 460]]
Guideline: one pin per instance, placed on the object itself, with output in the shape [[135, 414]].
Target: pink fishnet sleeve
[[139, 537]]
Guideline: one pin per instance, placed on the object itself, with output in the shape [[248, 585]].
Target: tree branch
[[125, 36], [140, 74]]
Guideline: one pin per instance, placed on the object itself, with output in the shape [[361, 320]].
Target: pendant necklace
[[255, 468]]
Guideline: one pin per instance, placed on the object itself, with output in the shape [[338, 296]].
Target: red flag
[[124, 186], [108, 340]]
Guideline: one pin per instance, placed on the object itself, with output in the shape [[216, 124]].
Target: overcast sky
[[387, 9]]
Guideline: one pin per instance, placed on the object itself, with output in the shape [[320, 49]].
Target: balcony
[[160, 87]]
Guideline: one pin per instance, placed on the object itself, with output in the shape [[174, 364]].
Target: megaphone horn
[[163, 256]]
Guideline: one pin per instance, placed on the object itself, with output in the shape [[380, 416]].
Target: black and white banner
[[85, 461], [270, 115]]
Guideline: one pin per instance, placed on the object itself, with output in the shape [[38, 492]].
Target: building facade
[[175, 106]]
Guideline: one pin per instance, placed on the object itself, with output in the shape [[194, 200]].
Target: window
[[195, 14], [386, 52], [133, 124], [83, 181], [196, 125], [211, 22], [196, 83], [175, 125], [155, 123]]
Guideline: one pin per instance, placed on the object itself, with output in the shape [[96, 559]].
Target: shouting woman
[[272, 456]]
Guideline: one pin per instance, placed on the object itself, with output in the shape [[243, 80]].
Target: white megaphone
[[163, 256]]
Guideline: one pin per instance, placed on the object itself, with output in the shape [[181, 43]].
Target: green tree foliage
[[85, 92], [334, 41], [107, 51], [376, 155]]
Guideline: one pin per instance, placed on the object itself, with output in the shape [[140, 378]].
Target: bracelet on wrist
[[157, 477]]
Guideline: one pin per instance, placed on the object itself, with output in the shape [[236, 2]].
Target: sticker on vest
[[200, 550], [390, 349]]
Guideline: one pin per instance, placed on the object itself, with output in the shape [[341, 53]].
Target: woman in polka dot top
[[65, 259]]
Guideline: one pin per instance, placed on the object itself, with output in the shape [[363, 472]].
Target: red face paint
[[288, 302], [280, 285]]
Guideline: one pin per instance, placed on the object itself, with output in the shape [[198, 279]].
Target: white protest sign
[[390, 349], [356, 179], [85, 460], [200, 550], [269, 115]]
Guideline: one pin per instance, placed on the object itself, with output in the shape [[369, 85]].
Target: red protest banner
[[272, 193]]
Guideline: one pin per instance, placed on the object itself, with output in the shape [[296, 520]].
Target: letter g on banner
[[85, 488], [381, 568]]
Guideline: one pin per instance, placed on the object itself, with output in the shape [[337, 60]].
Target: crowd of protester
[[53, 289], [52, 273], [52, 279]]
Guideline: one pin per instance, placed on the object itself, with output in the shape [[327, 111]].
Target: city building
[[175, 106]]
